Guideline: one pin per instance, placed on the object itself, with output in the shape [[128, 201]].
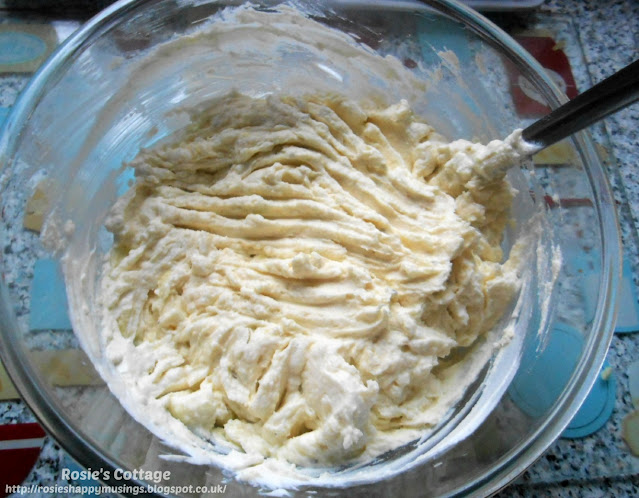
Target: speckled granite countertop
[[601, 37]]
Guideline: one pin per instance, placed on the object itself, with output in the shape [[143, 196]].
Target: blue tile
[[49, 306]]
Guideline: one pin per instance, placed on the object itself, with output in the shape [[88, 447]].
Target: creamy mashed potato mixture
[[299, 277]]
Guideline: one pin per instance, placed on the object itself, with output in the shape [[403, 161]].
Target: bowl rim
[[511, 465]]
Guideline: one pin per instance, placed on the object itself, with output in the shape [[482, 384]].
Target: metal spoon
[[614, 93]]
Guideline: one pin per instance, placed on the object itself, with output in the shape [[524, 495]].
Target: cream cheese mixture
[[299, 276]]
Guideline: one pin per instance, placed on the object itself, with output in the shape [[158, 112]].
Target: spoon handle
[[615, 92]]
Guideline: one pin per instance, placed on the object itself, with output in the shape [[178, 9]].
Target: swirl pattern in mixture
[[297, 275]]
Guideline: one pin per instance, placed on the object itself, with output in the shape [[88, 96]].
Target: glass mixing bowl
[[93, 105]]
